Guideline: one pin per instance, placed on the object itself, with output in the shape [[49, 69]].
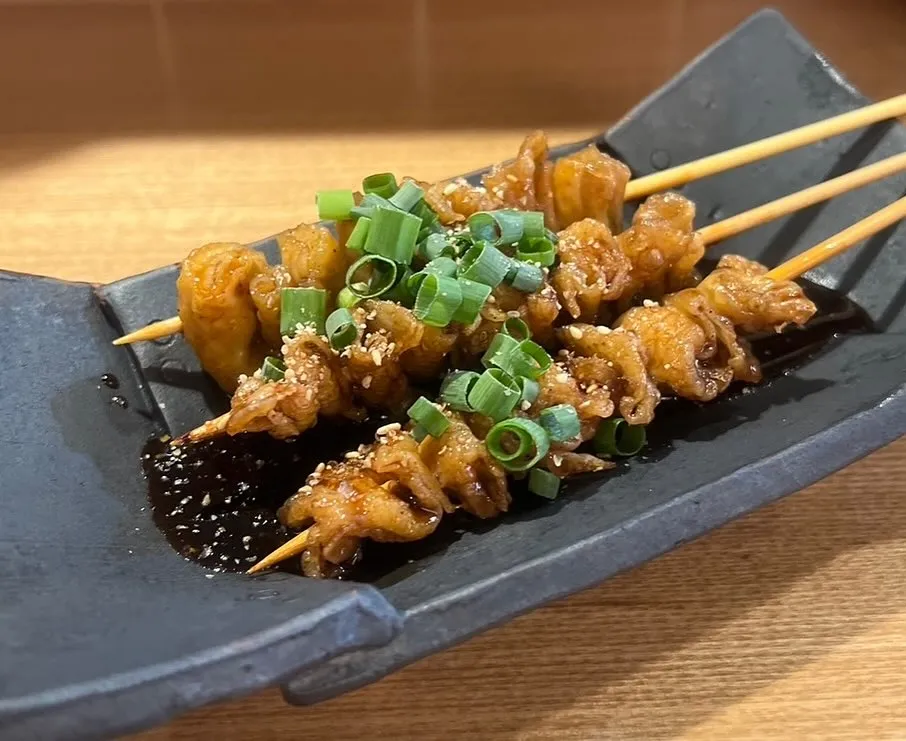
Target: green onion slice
[[436, 245], [437, 300], [305, 306], [518, 444], [419, 433], [408, 196], [474, 296], [454, 391], [426, 415], [539, 251], [500, 348], [520, 359], [392, 234], [335, 204], [543, 483], [273, 369], [516, 328], [530, 389], [439, 266], [381, 183], [356, 239], [484, 263], [370, 276], [526, 278], [340, 328], [400, 291], [346, 299], [532, 224], [561, 422], [495, 394], [617, 437], [369, 203], [483, 227]]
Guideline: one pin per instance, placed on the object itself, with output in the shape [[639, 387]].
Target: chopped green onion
[[501, 347], [380, 276], [419, 433], [526, 278], [381, 183], [438, 266], [543, 483], [506, 226], [408, 196], [483, 227], [462, 242], [436, 245], [346, 299], [561, 422], [392, 234], [551, 236], [532, 224], [538, 360], [474, 296], [516, 328], [454, 391], [530, 389], [370, 202], [305, 306], [335, 204], [495, 394], [517, 444], [437, 300], [539, 251], [356, 239], [426, 415], [340, 329], [430, 222], [484, 263], [273, 369], [400, 291], [520, 359], [617, 437]]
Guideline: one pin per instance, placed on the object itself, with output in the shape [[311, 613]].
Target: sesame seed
[[319, 468], [451, 188], [352, 455], [366, 382], [563, 377], [603, 330], [376, 358], [206, 501], [557, 459], [649, 304], [575, 332], [387, 429], [526, 405], [667, 366], [512, 178]]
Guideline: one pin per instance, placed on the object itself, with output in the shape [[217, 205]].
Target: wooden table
[[790, 623]]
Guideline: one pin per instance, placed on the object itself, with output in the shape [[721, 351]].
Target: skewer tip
[[290, 548]]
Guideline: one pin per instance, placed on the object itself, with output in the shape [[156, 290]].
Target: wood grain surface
[[133, 131]]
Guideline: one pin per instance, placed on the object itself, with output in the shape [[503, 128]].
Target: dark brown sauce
[[216, 502], [110, 381]]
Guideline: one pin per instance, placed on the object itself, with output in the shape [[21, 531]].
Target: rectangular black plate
[[104, 629]]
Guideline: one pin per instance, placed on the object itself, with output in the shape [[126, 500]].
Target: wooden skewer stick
[[290, 548], [789, 270], [711, 165], [155, 331], [734, 225], [764, 148], [833, 246]]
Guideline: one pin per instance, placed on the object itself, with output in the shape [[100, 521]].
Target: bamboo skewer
[[764, 148], [711, 165], [789, 270], [840, 242], [290, 548]]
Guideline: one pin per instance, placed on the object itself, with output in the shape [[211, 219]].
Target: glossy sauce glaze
[[216, 501]]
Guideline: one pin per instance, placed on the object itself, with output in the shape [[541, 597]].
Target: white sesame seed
[[206, 501], [376, 358], [366, 382], [667, 366], [319, 468], [512, 178], [526, 405], [603, 330], [352, 455], [451, 188], [387, 429], [575, 332], [563, 377], [649, 304]]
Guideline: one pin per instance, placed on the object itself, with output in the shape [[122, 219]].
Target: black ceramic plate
[[105, 629]]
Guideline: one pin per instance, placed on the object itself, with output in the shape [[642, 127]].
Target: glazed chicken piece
[[662, 245], [592, 269], [525, 183], [538, 310], [575, 381], [313, 257], [391, 491], [264, 290], [625, 370], [740, 290], [456, 200], [313, 385], [589, 184], [218, 316]]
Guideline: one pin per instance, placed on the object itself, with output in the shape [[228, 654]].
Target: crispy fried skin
[[219, 318], [589, 184]]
